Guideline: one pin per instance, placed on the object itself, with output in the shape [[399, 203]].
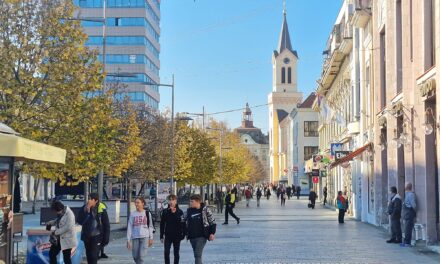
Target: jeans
[[283, 201], [219, 206], [176, 249], [409, 226], [92, 246], [198, 244], [53, 253], [247, 202], [139, 249], [229, 211], [341, 215], [396, 230]]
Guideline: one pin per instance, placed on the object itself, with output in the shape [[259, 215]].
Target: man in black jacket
[[201, 226], [95, 227], [395, 211], [172, 226]]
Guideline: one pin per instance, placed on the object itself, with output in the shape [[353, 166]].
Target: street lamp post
[[173, 191]]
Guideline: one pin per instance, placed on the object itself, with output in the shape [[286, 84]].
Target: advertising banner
[[163, 190], [38, 247]]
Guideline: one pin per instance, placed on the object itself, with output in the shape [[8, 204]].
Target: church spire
[[284, 41]]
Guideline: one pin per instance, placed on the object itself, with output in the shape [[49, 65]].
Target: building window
[[309, 152], [311, 128], [283, 75], [399, 45], [430, 33], [289, 75], [383, 72]]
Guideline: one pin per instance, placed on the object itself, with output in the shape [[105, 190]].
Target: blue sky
[[220, 51]]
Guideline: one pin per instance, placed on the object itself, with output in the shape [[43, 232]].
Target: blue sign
[[335, 147], [38, 247]]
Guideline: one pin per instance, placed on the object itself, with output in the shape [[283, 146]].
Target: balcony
[[347, 39], [333, 58], [362, 13]]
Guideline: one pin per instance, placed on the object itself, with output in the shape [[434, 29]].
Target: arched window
[[283, 75], [289, 75]]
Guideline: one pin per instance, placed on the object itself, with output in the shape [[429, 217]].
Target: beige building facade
[[406, 48]]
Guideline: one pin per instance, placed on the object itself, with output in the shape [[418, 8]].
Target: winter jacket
[[172, 226], [312, 196], [230, 198], [208, 221], [395, 207], [409, 206], [342, 203], [95, 223], [65, 229]]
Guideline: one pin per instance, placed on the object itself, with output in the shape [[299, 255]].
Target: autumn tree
[[51, 91]]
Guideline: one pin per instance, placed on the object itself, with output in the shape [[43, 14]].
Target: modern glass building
[[132, 46]]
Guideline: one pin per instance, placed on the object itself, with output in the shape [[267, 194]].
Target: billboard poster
[[335, 147], [163, 190], [38, 247]]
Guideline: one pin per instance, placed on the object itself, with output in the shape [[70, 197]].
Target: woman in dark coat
[[312, 198]]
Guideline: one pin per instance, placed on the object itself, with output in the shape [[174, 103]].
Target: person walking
[[64, 236], [201, 226], [95, 224], [278, 193], [288, 192], [312, 198], [324, 192], [409, 214], [298, 192], [230, 204], [394, 210], [268, 194], [173, 228], [259, 194], [342, 203], [283, 196], [139, 231], [219, 197], [248, 195]]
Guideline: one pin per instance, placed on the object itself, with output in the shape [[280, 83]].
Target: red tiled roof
[[308, 103]]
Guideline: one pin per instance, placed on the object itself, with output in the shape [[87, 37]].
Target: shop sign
[[315, 179], [335, 147], [315, 172], [341, 154]]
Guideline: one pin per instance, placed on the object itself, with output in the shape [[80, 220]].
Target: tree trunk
[[141, 189], [34, 202], [46, 192]]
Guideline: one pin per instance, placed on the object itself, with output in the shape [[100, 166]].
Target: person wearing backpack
[[172, 229], [259, 194], [139, 231], [201, 226], [342, 206], [95, 224], [230, 204], [248, 194]]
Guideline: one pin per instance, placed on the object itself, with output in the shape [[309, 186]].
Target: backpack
[[148, 214]]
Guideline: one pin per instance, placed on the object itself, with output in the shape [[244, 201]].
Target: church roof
[[255, 134], [308, 103], [281, 115], [284, 40]]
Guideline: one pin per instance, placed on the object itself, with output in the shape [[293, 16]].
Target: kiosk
[[14, 148]]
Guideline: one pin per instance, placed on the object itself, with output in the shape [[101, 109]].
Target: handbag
[[309, 205]]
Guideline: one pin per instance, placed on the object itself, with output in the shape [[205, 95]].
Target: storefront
[[15, 148]]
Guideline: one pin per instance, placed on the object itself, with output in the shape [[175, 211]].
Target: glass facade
[[124, 22], [123, 41], [130, 59], [126, 13]]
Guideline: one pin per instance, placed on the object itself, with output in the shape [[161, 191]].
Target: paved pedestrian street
[[292, 234]]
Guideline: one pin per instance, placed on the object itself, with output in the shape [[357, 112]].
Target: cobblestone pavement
[[290, 234]]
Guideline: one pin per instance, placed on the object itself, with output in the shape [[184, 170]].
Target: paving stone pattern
[[291, 234]]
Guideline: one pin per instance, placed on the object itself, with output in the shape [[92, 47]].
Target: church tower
[[283, 98]]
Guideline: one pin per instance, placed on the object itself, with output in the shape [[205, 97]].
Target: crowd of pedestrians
[[197, 224]]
